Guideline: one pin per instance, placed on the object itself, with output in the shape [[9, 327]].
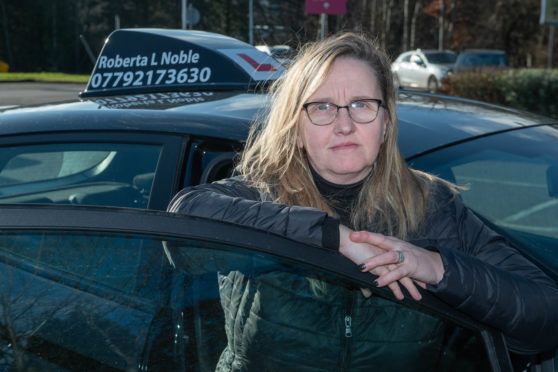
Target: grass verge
[[51, 77]]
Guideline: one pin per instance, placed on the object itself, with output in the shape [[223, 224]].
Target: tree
[[7, 50], [414, 23], [39, 35]]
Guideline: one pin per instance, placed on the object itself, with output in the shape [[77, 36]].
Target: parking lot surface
[[30, 93]]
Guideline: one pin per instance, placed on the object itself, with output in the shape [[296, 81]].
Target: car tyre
[[432, 84]]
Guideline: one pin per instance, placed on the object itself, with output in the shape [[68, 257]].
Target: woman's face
[[344, 151]]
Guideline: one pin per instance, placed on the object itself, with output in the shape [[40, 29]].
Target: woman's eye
[[323, 107], [358, 104]]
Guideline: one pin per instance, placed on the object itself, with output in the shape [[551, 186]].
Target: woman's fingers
[[366, 292], [378, 240], [419, 264], [389, 268], [384, 259], [394, 275], [384, 278], [421, 284], [396, 290], [395, 262], [409, 284], [398, 275], [393, 286]]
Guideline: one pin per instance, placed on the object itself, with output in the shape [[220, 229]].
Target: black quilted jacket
[[484, 276]]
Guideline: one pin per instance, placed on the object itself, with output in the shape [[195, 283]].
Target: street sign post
[[324, 7], [549, 16]]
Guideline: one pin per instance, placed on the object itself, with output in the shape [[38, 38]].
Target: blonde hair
[[393, 197]]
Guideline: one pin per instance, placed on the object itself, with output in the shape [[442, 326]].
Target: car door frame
[[165, 225]]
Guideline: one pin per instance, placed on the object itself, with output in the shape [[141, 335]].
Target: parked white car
[[422, 69]]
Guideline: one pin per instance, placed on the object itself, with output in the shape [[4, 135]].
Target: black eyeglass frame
[[379, 101]]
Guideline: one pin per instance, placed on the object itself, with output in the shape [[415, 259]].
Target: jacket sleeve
[[494, 283], [230, 200]]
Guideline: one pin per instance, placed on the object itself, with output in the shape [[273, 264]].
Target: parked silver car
[[422, 69]]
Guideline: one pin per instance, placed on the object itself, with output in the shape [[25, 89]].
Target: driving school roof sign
[[148, 60]]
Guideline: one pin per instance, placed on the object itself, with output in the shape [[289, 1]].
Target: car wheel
[[432, 84]]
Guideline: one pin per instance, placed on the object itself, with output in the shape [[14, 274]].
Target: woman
[[325, 169]]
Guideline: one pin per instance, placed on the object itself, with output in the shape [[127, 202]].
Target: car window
[[70, 301], [108, 261], [511, 180], [406, 58], [211, 161], [79, 173], [441, 57], [416, 59], [482, 59], [84, 300], [277, 299]]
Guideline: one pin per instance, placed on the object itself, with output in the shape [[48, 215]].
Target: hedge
[[527, 89]]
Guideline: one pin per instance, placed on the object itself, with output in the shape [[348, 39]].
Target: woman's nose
[[343, 122]]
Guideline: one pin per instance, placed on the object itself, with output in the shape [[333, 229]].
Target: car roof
[[225, 115], [487, 51], [426, 121], [427, 51], [228, 118], [436, 51], [430, 121]]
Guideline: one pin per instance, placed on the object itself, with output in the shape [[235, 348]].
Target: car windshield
[[511, 181], [441, 57]]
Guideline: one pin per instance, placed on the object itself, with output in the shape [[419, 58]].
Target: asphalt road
[[36, 93]]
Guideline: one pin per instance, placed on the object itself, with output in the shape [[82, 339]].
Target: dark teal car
[[96, 276]]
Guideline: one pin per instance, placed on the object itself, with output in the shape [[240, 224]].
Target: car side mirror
[[552, 181]]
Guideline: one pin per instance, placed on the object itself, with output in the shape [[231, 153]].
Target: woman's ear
[[299, 141]]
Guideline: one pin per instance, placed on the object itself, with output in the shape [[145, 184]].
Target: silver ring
[[401, 257]]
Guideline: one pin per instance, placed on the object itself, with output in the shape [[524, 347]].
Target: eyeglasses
[[362, 111]]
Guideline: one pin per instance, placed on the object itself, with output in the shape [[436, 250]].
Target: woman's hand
[[359, 250], [402, 260]]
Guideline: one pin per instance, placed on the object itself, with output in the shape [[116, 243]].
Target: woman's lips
[[344, 146]]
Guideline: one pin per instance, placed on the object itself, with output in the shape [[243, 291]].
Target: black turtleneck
[[341, 199]]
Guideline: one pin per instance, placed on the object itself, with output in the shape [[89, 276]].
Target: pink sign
[[326, 6]]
